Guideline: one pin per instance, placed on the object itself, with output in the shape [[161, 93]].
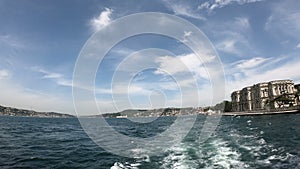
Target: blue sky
[[256, 40]]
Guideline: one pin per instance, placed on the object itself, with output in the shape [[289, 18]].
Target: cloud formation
[[284, 19], [212, 5], [186, 63], [16, 95], [251, 63], [285, 71], [56, 77], [183, 9], [232, 36], [102, 20], [4, 73]]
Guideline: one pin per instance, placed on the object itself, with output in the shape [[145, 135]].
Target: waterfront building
[[246, 99], [266, 96], [297, 88], [235, 97], [281, 90], [260, 96]]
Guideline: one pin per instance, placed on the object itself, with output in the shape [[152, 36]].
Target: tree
[[225, 106], [228, 106], [284, 99]]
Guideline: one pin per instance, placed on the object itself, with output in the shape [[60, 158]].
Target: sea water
[[269, 141]]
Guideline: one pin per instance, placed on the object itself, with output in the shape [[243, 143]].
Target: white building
[[282, 88], [260, 96], [267, 95]]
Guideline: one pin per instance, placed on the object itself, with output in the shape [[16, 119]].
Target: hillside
[[9, 111]]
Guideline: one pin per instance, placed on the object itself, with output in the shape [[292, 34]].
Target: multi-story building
[[260, 95], [270, 95], [235, 97], [246, 99], [297, 95], [282, 89]]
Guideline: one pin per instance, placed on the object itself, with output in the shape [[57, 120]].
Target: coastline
[[259, 113], [16, 112], [162, 112], [256, 113]]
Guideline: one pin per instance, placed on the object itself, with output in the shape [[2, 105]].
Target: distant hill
[[9, 111], [171, 111]]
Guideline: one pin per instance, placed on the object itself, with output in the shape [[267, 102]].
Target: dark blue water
[[239, 142]]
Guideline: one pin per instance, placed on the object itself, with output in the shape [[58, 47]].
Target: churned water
[[239, 142]]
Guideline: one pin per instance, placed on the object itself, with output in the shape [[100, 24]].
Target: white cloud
[[56, 77], [251, 63], [228, 45], [212, 5], [269, 22], [53, 76], [284, 71], [204, 5], [120, 52], [185, 71], [184, 10], [298, 46], [284, 19], [232, 36], [285, 22], [171, 65], [186, 36], [47, 74], [12, 42], [14, 95], [187, 33], [4, 74], [133, 89], [242, 23], [179, 98], [121, 90], [200, 97], [249, 67], [102, 20], [188, 63], [195, 65]]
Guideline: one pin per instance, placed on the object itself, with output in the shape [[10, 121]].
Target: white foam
[[262, 141], [225, 156], [178, 158], [118, 165], [220, 156]]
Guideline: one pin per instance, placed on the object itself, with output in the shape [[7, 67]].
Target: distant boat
[[120, 117]]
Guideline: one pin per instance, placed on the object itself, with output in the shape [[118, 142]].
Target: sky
[[40, 41]]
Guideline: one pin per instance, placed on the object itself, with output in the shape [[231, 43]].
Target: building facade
[[282, 90], [235, 97], [297, 88], [266, 96], [246, 99], [260, 96]]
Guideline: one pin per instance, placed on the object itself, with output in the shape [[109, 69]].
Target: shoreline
[[210, 114], [259, 113]]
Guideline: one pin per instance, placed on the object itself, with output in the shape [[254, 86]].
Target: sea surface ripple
[[238, 142]]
